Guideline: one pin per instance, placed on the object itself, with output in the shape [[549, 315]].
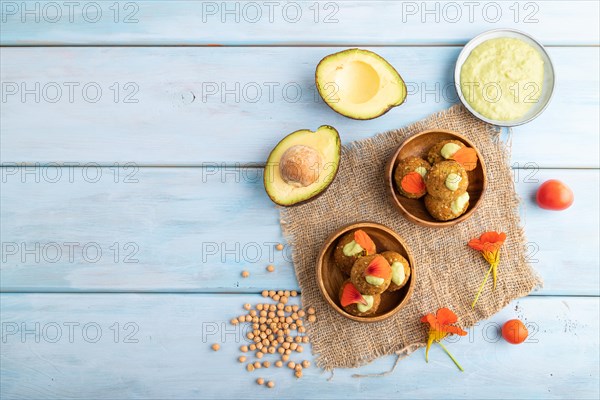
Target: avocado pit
[[300, 165]]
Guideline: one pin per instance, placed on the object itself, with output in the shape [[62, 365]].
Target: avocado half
[[302, 165], [359, 84]]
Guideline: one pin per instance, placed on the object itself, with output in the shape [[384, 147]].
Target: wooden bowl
[[417, 146], [330, 277]]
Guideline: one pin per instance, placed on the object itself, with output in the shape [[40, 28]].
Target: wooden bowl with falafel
[[436, 178], [366, 272]]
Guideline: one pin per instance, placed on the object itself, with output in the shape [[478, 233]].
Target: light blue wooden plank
[[173, 359], [177, 121], [298, 22], [197, 229]]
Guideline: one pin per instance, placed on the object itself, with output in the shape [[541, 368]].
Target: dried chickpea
[[288, 309], [285, 357], [281, 350], [293, 326], [266, 364], [283, 299], [272, 307], [259, 354], [298, 374], [270, 384], [294, 293], [305, 339], [279, 247], [244, 348], [288, 352], [301, 313], [260, 381], [245, 274], [312, 318], [286, 293], [276, 297], [270, 268], [242, 359], [298, 367], [295, 308], [305, 363], [252, 347], [298, 339], [294, 346], [215, 347], [311, 310], [255, 326], [252, 313], [234, 321], [291, 365], [301, 329], [259, 307], [278, 363], [247, 306], [280, 306], [264, 293], [271, 314], [250, 367], [257, 365], [250, 335], [271, 293], [300, 349]]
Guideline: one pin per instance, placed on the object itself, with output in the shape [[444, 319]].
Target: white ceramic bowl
[[547, 87]]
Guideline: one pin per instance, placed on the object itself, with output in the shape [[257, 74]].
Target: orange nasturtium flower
[[489, 245], [440, 326]]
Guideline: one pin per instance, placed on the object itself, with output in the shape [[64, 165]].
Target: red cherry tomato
[[554, 195], [514, 331]]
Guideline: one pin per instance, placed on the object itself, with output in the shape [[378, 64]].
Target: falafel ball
[[407, 166], [367, 283], [436, 155], [360, 309], [444, 210], [400, 270], [447, 180]]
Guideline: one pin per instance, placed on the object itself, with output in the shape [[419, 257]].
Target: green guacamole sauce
[[502, 78]]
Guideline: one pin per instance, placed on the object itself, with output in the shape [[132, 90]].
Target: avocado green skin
[[337, 167], [365, 51]]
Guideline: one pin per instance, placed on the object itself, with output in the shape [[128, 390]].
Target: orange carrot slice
[[467, 157], [413, 183], [364, 241], [378, 267], [351, 295]]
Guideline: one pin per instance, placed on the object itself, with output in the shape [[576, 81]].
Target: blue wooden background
[[132, 135]]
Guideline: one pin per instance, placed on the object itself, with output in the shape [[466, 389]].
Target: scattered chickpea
[[245, 274], [301, 313], [215, 347], [288, 309], [271, 293], [305, 339], [285, 357], [260, 306], [270, 268], [298, 367], [294, 293], [279, 247], [301, 329], [259, 354], [260, 381], [300, 349], [291, 365], [310, 310], [257, 365], [250, 367], [298, 339], [298, 374], [278, 363], [252, 347], [266, 364], [234, 321], [253, 313], [270, 384], [312, 318], [294, 346], [283, 299], [305, 363], [247, 306], [264, 293], [242, 359], [288, 352], [276, 297]]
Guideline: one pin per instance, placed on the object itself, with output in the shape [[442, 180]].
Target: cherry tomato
[[554, 195], [514, 331]]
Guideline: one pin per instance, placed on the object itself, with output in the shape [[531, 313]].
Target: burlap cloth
[[449, 272]]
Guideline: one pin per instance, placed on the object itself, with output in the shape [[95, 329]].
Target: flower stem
[[451, 357], [482, 285]]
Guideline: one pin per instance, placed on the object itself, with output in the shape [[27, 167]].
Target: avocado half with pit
[[302, 165], [359, 84]]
